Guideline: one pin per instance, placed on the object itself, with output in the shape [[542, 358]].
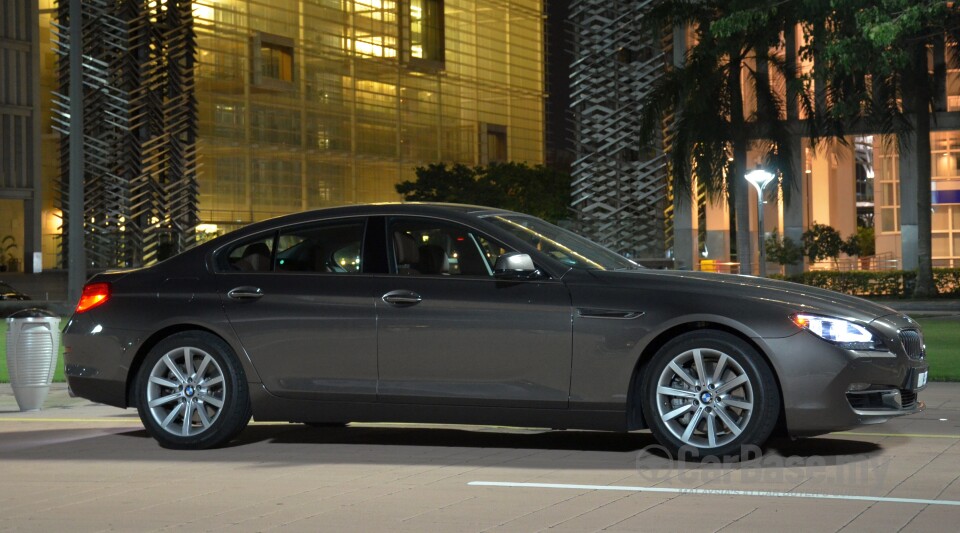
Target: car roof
[[440, 209], [386, 208], [404, 207]]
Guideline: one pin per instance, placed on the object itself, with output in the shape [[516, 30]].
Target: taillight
[[94, 294]]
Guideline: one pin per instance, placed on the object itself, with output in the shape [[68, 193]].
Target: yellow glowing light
[[53, 221], [205, 12]]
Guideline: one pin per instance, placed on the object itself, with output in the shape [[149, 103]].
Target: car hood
[[792, 296]]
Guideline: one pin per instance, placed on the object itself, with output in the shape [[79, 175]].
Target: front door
[[450, 333]]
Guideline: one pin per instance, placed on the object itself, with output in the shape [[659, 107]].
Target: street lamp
[[759, 178]]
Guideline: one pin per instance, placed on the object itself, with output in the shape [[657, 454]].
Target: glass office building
[[311, 103]]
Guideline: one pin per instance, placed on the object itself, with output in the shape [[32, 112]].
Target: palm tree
[[888, 45], [702, 101]]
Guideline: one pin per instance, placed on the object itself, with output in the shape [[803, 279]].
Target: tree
[[709, 131], [887, 43], [537, 190], [866, 239], [821, 242], [782, 251], [851, 246], [870, 72]]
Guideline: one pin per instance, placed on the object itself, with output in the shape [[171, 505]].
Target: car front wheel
[[191, 392], [709, 393]]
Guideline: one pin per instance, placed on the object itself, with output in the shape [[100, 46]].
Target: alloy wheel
[[185, 392], [705, 398]]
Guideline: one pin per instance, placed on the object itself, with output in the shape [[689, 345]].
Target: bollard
[[33, 341]]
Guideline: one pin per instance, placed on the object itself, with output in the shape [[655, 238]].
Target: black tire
[[215, 393], [729, 415]]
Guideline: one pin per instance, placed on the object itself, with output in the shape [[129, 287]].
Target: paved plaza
[[78, 466]]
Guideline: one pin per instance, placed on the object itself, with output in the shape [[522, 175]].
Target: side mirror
[[517, 266]]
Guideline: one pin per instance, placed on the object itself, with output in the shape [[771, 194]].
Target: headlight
[[841, 332]]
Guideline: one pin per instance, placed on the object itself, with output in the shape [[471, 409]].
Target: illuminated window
[[375, 29], [426, 30], [276, 62], [272, 60]]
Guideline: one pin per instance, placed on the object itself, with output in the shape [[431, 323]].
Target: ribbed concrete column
[[684, 202], [908, 206]]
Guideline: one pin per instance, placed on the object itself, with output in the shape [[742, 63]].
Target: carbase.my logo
[[656, 463]]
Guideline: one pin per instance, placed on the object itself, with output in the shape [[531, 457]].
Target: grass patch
[[943, 347], [940, 334], [4, 377]]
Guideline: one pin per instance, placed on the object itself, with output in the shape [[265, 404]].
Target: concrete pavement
[[80, 466]]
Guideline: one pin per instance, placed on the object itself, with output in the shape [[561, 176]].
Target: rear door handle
[[402, 298], [245, 293]]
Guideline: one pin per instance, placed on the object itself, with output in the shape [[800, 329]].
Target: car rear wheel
[[709, 393], [192, 393]]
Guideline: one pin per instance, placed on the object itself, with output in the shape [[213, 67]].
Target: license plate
[[922, 379]]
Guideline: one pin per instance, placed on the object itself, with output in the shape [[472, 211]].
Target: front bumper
[[816, 379]]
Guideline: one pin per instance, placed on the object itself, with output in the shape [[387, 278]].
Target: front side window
[[438, 248], [563, 245]]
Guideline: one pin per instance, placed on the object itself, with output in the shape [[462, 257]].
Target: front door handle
[[245, 293], [402, 298]]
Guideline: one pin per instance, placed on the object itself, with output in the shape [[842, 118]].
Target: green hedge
[[888, 283]]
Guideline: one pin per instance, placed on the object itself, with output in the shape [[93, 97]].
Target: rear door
[[303, 309]]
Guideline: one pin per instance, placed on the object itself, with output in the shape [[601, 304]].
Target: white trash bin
[[33, 342]]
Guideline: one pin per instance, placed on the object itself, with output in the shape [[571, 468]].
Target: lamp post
[[759, 178]]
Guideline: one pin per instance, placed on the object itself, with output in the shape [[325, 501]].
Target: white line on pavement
[[716, 492]]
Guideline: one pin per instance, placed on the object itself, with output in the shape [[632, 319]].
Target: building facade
[[310, 103], [20, 109], [848, 185], [620, 192]]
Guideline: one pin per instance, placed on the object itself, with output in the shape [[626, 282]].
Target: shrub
[[783, 250], [821, 242], [885, 283]]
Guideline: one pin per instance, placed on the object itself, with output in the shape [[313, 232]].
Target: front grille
[[913, 343]]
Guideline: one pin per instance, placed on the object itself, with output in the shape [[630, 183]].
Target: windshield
[[563, 245]]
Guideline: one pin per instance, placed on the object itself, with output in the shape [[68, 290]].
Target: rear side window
[[333, 248], [255, 255]]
